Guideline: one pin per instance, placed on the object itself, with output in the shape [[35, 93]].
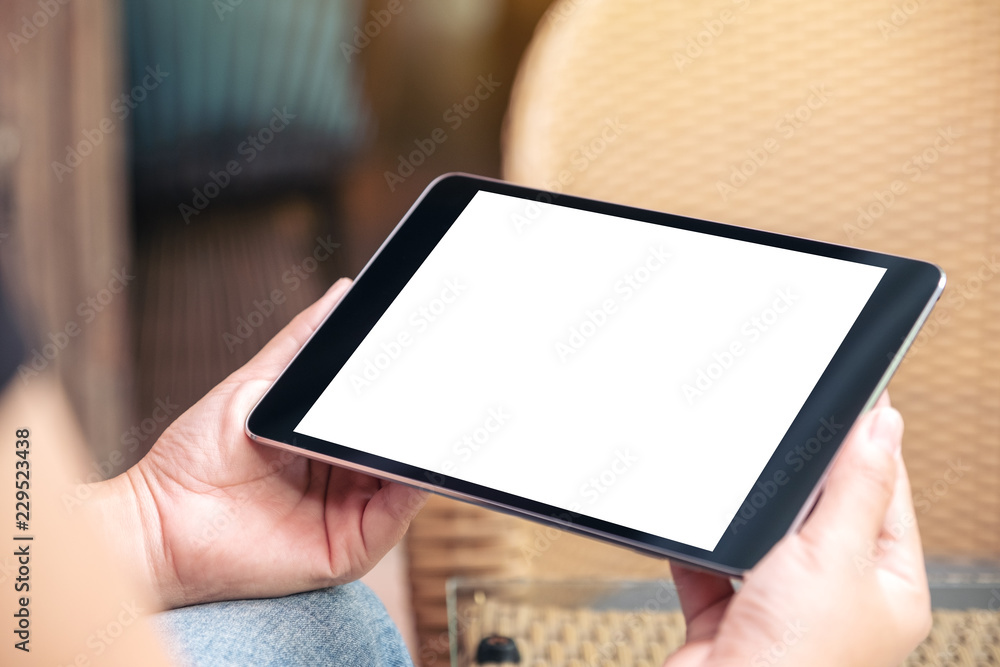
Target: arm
[[84, 608]]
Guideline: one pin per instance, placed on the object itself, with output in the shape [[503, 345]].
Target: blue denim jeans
[[345, 625]]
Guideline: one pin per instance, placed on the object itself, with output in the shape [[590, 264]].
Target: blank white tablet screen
[[631, 372]]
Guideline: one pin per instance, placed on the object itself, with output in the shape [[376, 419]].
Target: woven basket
[[662, 105], [556, 637], [821, 108]]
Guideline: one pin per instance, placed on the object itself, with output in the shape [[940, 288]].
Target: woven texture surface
[[560, 637], [850, 122], [451, 538], [789, 117]]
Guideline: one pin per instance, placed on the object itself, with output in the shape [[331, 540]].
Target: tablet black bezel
[[857, 373]]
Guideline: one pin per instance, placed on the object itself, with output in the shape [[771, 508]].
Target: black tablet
[[669, 384]]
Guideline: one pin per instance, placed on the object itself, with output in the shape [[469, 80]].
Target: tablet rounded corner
[[448, 176], [942, 277], [247, 429]]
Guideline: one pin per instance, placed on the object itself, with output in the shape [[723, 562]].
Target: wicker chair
[[875, 125]]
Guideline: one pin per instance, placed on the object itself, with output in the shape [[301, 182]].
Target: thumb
[[388, 515], [851, 512]]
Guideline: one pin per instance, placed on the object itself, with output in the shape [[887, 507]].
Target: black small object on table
[[497, 649]]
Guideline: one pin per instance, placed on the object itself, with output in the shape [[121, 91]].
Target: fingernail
[[887, 429], [341, 283]]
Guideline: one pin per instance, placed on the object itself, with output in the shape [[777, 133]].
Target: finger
[[281, 349], [852, 510], [883, 401], [906, 556], [388, 515], [703, 599]]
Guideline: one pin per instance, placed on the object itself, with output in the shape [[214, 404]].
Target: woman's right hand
[[848, 590]]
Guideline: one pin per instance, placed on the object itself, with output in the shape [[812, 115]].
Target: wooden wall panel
[[68, 232]]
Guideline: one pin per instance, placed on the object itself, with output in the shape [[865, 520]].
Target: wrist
[[125, 511]]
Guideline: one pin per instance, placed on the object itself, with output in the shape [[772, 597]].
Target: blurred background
[[216, 151], [179, 179]]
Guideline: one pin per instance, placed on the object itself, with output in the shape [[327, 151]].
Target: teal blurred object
[[225, 67]]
